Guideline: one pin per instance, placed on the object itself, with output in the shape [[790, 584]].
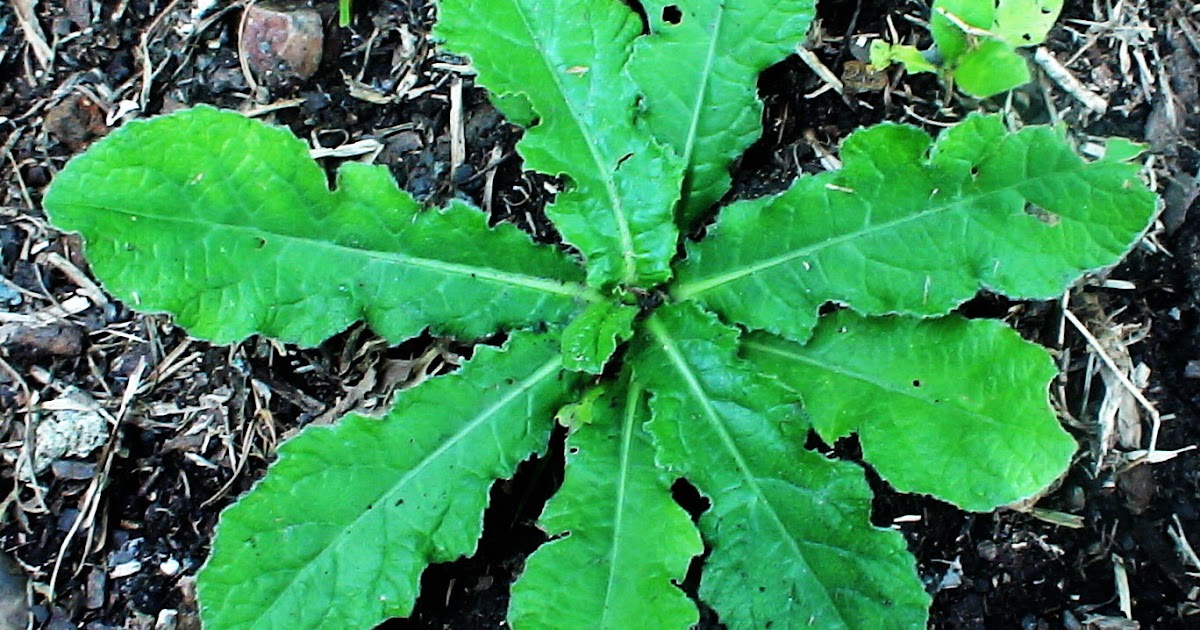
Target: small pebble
[[280, 43], [1076, 499], [405, 141], [987, 550], [94, 588], [167, 619], [169, 567], [75, 121], [125, 569], [1137, 487], [73, 470], [1192, 369]]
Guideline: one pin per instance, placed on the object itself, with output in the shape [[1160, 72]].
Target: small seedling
[[667, 358], [975, 43]]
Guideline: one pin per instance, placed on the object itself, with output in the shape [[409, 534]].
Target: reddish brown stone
[[281, 44]]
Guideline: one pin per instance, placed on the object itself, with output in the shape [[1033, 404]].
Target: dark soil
[[113, 539]]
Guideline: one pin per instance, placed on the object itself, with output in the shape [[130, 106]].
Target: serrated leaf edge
[[628, 251], [551, 367], [656, 328], [691, 290]]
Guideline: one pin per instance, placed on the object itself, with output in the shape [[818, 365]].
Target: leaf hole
[[671, 14], [916, 382], [1043, 215], [573, 450], [1027, 37], [690, 499]]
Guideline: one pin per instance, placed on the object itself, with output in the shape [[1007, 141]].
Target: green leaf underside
[[228, 224], [623, 537], [567, 59], [792, 544], [699, 79], [339, 531], [592, 337], [912, 227], [950, 407]]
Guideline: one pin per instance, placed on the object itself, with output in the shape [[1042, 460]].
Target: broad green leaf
[[567, 60], [951, 407], [592, 337], [915, 227], [339, 531], [619, 539], [792, 543], [991, 68], [228, 224], [698, 68]]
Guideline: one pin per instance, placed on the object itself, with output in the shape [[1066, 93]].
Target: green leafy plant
[[975, 43], [710, 361]]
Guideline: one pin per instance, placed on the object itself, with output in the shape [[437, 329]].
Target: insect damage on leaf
[[711, 365]]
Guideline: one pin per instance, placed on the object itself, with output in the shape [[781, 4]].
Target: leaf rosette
[[668, 359]]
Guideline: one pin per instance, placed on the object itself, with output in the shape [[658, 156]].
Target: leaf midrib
[[548, 369], [705, 83], [632, 398], [866, 379], [628, 252], [668, 345], [688, 290], [545, 285]]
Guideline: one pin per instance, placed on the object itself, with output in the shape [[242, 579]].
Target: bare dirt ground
[[106, 529]]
